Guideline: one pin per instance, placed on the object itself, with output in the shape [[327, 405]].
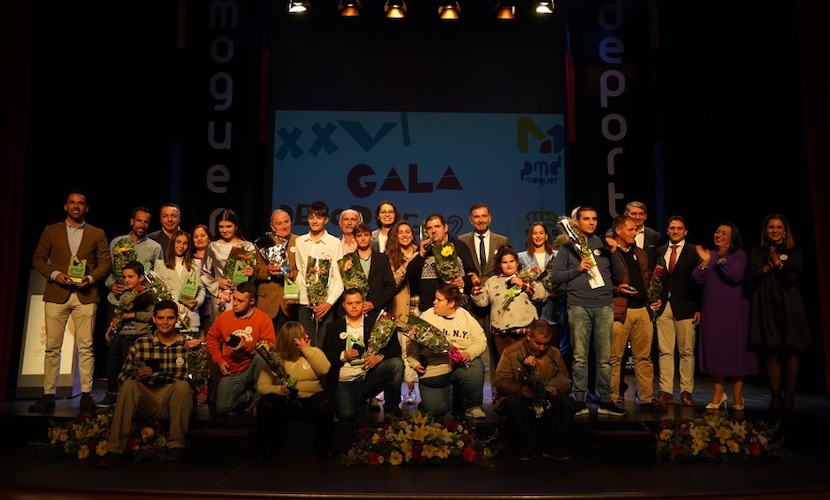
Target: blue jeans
[[117, 351], [591, 327], [461, 389], [386, 376], [238, 389]]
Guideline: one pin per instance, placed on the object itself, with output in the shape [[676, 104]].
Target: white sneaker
[[410, 397], [476, 413]]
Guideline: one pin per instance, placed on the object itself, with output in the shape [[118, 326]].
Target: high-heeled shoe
[[738, 407], [723, 403]]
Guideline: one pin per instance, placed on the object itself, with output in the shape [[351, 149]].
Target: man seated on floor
[[533, 383], [231, 342], [354, 378], [154, 384]]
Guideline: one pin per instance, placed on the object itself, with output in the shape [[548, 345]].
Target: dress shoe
[[46, 403], [665, 398], [109, 460], [654, 405], [717, 406], [88, 405], [686, 399], [175, 454]]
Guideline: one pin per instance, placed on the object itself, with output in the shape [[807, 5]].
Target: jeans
[[117, 352], [461, 389], [238, 389], [591, 327], [386, 377]]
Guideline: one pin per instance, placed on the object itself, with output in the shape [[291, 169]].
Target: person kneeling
[[154, 384], [533, 383], [358, 378], [292, 389]]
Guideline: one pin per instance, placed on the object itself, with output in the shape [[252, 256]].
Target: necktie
[[482, 253], [673, 258]]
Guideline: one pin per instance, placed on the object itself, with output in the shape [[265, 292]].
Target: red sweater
[[256, 327]]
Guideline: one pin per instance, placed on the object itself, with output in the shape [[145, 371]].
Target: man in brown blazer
[[270, 278], [74, 257]]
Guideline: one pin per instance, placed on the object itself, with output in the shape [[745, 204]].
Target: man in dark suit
[[647, 238], [355, 377], [74, 257], [679, 314], [270, 277]]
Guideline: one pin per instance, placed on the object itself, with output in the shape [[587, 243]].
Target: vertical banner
[[612, 158], [424, 163]]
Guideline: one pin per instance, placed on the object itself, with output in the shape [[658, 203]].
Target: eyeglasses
[[387, 212]]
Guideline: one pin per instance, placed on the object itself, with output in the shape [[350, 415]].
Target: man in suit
[[353, 377], [679, 314], [378, 272], [170, 216], [270, 277], [74, 257], [647, 238], [483, 245]]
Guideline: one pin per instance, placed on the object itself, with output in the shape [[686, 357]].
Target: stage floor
[[25, 476]]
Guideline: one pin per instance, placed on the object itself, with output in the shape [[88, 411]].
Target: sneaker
[[109, 460], [609, 408], [581, 408], [526, 455], [175, 454], [410, 397], [108, 400], [476, 413], [556, 454], [88, 405], [46, 403]]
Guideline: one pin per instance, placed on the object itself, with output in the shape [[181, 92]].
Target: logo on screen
[[543, 149]]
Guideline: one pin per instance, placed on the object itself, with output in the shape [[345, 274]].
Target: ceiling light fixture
[[544, 7], [506, 9], [449, 11], [395, 9], [297, 6], [350, 8]]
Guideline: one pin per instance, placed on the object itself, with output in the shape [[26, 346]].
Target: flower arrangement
[[655, 283], [238, 259], [123, 252], [87, 436], [569, 227], [714, 435], [545, 279], [154, 290], [431, 337], [511, 293], [317, 279], [447, 264], [536, 383], [417, 438], [277, 365], [352, 273], [198, 364]]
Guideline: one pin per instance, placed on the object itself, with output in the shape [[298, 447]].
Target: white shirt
[[327, 247]]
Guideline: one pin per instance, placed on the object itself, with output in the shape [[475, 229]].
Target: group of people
[[312, 303]]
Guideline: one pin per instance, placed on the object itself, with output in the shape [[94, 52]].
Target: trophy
[[274, 252]]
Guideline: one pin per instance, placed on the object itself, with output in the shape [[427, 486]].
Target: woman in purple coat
[[724, 327]]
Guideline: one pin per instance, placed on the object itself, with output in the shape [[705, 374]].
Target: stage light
[[449, 11], [395, 9], [506, 9], [297, 6], [350, 8], [544, 7]]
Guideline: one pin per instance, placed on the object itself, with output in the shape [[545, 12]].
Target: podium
[[30, 374]]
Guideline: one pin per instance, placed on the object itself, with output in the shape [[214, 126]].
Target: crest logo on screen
[[544, 150]]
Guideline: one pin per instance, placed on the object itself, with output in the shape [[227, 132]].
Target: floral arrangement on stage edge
[[418, 438], [714, 435], [86, 436]]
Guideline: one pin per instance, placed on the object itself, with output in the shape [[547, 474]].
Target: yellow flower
[[101, 449], [666, 435], [161, 441], [406, 448], [147, 433], [83, 452], [419, 433], [443, 452], [447, 251], [419, 418], [723, 434], [732, 446], [429, 451], [375, 438], [697, 445], [395, 458]]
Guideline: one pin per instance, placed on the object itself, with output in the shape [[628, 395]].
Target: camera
[[233, 341]]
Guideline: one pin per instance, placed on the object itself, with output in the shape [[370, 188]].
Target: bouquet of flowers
[[87, 435], [385, 327], [153, 290], [277, 365], [569, 227], [714, 435], [447, 264], [352, 273], [537, 384], [655, 283], [238, 259], [123, 252], [198, 364], [431, 337], [417, 438], [512, 292], [545, 279]]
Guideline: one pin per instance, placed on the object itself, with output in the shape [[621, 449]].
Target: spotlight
[[449, 10], [297, 6], [505, 9], [395, 9], [544, 7], [350, 8]]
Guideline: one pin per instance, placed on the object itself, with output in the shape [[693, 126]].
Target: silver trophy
[[272, 250], [564, 223]]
